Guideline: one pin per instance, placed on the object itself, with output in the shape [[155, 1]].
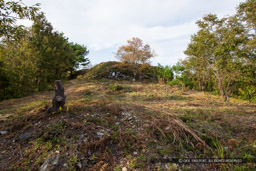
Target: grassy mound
[[120, 71]]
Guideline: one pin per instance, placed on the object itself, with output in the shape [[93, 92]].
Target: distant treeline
[[222, 55], [32, 58]]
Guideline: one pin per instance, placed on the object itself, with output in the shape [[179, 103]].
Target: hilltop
[[115, 125], [121, 71]]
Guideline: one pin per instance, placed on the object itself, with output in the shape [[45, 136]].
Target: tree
[[165, 73], [32, 58], [78, 58], [18, 64], [52, 50], [246, 14], [217, 45], [11, 11], [135, 52]]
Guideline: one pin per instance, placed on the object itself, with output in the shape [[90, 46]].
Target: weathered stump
[[59, 98]]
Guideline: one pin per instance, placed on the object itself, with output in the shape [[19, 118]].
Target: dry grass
[[142, 126]]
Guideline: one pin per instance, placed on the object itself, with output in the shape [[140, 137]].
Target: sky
[[105, 25]]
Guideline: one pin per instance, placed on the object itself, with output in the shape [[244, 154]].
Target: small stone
[[135, 153], [79, 165], [130, 118], [3, 132], [56, 161], [167, 128], [124, 169], [26, 135], [81, 136], [65, 165], [100, 134]]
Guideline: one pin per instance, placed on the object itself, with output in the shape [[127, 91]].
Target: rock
[[100, 134], [166, 166], [26, 135], [56, 161], [3, 132], [45, 165], [65, 165], [50, 162], [135, 153], [130, 118], [124, 169], [79, 165]]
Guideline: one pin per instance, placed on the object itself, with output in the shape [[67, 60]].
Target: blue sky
[[104, 25]]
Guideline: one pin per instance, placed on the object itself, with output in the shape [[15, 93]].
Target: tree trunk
[[221, 87]]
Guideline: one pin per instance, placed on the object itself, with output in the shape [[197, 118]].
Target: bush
[[115, 87], [164, 74]]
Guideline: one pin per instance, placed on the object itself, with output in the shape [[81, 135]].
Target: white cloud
[[104, 25]]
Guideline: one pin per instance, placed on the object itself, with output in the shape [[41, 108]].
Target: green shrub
[[164, 74], [115, 87]]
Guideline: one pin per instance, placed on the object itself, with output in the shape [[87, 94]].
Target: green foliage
[[181, 77], [148, 71], [32, 58], [115, 87], [219, 149], [221, 55], [101, 70], [105, 69], [248, 92], [10, 11], [164, 73], [78, 58]]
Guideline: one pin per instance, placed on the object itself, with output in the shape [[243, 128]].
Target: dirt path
[[70, 88]]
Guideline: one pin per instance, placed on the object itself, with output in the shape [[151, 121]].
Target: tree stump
[[59, 99]]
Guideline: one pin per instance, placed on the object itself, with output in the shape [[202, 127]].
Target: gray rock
[[50, 162], [3, 132], [56, 161], [79, 165], [100, 134], [45, 164], [26, 135]]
